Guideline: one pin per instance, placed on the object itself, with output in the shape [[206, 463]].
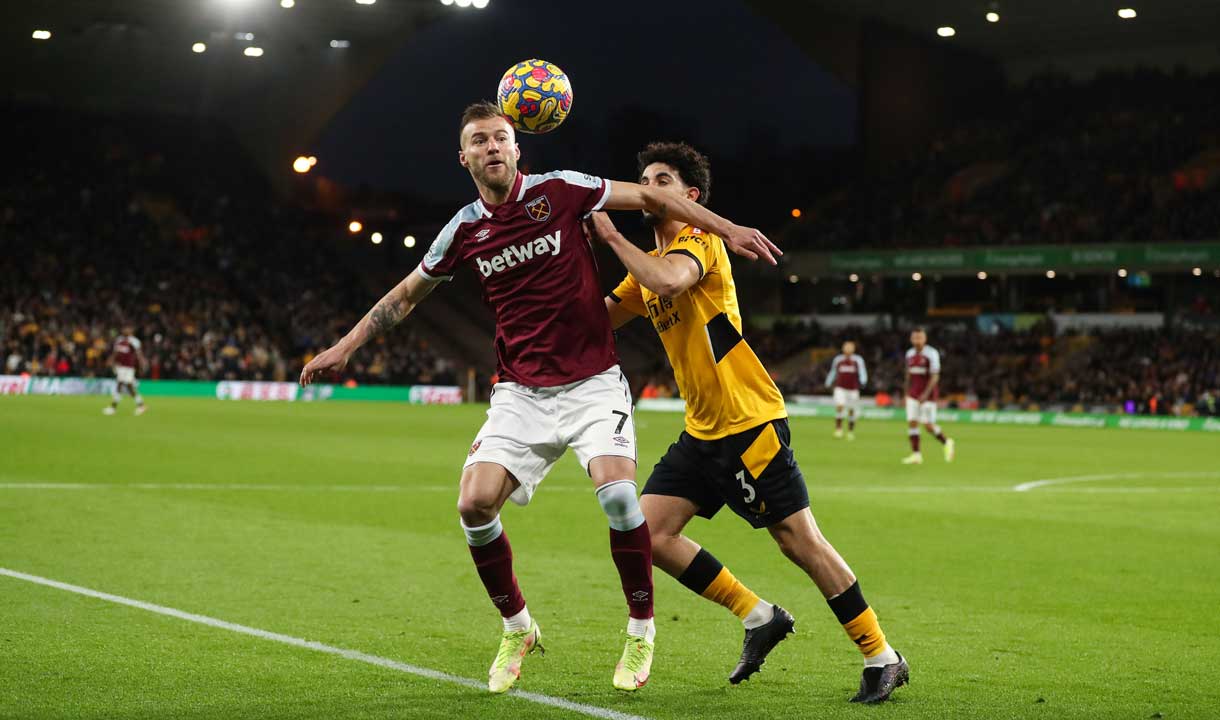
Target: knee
[[803, 549], [619, 502], [476, 508], [662, 540]]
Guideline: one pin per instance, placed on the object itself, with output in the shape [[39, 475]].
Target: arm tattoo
[[384, 316]]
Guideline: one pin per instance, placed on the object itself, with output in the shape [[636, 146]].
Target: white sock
[[646, 629], [520, 621], [762, 614], [885, 657]]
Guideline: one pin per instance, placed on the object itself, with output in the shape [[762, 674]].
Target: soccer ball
[[535, 96]]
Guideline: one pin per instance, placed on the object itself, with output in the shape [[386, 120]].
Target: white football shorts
[[125, 374], [924, 412], [528, 429], [843, 397]]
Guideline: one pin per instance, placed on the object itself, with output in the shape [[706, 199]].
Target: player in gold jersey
[[735, 449]]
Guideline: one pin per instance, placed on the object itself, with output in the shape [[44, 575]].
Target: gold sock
[[729, 592], [866, 633]]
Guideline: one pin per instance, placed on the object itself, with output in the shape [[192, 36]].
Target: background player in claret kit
[[560, 382], [127, 358], [735, 449], [847, 375], [922, 388]]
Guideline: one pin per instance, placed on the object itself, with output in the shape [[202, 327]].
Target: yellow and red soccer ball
[[535, 96]]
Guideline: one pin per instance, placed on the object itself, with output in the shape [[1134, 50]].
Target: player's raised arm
[[388, 312], [745, 241], [665, 275]]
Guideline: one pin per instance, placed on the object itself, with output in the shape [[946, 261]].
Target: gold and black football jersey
[[725, 386]]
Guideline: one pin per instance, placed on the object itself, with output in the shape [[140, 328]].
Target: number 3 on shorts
[[741, 476]]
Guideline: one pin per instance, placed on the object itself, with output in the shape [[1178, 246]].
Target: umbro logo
[[639, 595], [499, 599], [482, 234]]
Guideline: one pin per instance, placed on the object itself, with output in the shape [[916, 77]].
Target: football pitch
[[225, 560]]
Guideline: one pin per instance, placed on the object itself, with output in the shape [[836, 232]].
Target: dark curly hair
[[692, 166]]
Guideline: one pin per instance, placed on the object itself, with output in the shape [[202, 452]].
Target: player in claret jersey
[[127, 358], [922, 390], [847, 374], [560, 382]]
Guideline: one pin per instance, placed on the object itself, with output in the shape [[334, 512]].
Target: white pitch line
[[1027, 486], [590, 710], [211, 486], [815, 488]]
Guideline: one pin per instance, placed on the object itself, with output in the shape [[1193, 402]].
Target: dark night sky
[[711, 69]]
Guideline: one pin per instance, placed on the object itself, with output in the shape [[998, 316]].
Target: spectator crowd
[[1128, 157], [1164, 371], [141, 222]]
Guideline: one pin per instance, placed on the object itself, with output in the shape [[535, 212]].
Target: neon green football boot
[[514, 646], [634, 666]]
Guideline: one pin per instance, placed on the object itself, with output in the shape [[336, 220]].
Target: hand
[[599, 226], [751, 243], [330, 360]]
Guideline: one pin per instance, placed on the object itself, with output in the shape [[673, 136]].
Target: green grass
[[1093, 600]]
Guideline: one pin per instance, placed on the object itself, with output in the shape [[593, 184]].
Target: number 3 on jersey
[[747, 487]]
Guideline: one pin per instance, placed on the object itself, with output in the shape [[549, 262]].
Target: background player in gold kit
[[735, 449]]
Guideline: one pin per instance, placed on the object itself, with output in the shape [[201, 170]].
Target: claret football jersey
[[539, 276]]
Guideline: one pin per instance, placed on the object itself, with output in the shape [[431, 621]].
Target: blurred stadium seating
[[1130, 156]]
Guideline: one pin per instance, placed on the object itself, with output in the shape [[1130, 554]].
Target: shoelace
[[509, 645], [635, 654]]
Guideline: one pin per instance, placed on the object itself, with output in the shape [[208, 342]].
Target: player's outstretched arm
[[666, 275], [388, 312], [745, 241]]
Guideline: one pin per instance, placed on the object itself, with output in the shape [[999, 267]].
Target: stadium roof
[[1031, 29], [138, 54]]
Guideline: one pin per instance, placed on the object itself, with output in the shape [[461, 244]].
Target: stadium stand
[[1130, 156], [1157, 372], [160, 224]]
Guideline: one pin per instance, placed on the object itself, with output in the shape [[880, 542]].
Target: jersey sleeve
[[442, 257], [863, 370], [629, 296], [698, 246], [588, 192], [135, 344], [834, 371], [933, 361]]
